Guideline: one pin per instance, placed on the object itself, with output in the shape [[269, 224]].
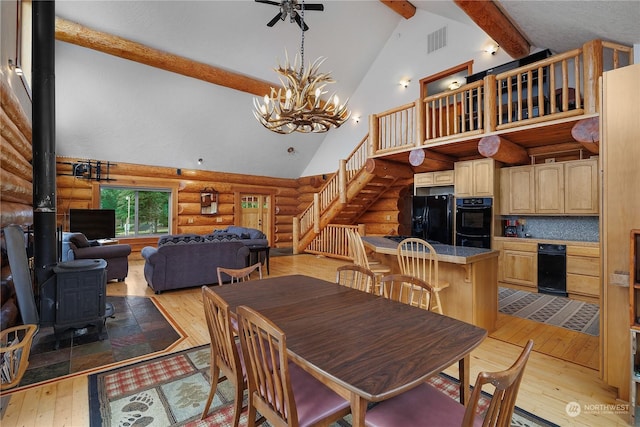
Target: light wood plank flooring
[[549, 382]]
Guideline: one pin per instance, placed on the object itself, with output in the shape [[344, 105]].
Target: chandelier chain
[[302, 41]]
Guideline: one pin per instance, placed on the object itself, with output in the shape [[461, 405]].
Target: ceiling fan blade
[[311, 6], [275, 3], [275, 19], [301, 24]]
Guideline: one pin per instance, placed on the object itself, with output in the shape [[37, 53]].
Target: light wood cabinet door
[[433, 179], [464, 179], [474, 178], [549, 188], [521, 190], [483, 176], [581, 187], [520, 268]]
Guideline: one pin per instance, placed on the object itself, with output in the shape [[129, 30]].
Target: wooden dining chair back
[[238, 274], [356, 277], [360, 258], [283, 393], [416, 257], [406, 289], [426, 405], [225, 354]]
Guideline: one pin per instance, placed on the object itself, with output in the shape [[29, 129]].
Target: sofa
[[76, 246], [248, 236], [187, 260]]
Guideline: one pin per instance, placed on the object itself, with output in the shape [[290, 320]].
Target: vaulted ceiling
[[109, 108]]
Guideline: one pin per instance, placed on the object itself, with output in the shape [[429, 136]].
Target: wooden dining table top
[[368, 345]]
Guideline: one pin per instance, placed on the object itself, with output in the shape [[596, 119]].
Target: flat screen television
[[93, 223]]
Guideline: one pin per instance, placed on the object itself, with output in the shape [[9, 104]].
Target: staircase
[[356, 186]]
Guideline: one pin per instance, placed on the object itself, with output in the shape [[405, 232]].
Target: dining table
[[364, 347]]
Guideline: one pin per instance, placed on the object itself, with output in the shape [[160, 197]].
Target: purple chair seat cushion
[[419, 406]]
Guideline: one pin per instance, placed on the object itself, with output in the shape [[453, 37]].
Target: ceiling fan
[[291, 8]]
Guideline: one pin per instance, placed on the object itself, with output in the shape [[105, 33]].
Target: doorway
[[256, 212]]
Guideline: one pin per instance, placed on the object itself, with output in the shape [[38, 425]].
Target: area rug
[[171, 391], [558, 311]]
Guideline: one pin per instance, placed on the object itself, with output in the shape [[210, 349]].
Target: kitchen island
[[472, 273]]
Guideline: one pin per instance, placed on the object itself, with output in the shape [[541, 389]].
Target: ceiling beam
[[488, 16], [77, 34], [401, 7]]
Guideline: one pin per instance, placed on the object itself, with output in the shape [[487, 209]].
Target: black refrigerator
[[432, 218]]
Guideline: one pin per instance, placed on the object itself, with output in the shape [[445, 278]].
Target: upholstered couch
[[186, 260], [76, 246], [248, 236]]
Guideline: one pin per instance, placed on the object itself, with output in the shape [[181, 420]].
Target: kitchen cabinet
[[519, 195], [519, 264], [581, 187], [549, 185], [474, 178], [566, 188], [583, 273], [433, 179]]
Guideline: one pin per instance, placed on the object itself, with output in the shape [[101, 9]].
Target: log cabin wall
[[82, 193], [16, 183]]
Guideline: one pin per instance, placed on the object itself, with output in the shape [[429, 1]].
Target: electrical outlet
[[190, 220], [218, 219], [522, 221], [388, 217]]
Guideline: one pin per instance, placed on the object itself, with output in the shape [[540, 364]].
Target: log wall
[[82, 193], [16, 178]]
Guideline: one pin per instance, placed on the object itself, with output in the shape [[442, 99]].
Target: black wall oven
[[473, 222]]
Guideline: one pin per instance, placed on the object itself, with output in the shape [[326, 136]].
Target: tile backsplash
[[581, 228]]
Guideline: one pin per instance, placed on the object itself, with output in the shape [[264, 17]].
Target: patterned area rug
[[171, 391], [558, 311]]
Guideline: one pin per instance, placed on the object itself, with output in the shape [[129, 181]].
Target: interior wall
[[403, 56], [16, 184]]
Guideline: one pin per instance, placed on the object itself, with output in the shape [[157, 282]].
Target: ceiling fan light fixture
[[297, 106]]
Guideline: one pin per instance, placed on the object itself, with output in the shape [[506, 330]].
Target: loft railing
[[453, 113], [557, 87], [394, 129]]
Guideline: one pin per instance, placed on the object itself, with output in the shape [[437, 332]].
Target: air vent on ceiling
[[437, 40]]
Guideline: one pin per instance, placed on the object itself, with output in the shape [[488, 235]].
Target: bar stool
[[417, 258]]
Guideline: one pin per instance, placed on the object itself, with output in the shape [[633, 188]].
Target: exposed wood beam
[[401, 7], [77, 34], [492, 21]]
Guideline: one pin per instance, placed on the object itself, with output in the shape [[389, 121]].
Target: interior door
[[255, 212]]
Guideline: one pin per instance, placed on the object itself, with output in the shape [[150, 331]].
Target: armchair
[[76, 246]]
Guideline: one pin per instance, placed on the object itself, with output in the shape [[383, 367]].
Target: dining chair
[[239, 274], [416, 257], [225, 351], [356, 277], [426, 405], [406, 289], [359, 254], [283, 393]]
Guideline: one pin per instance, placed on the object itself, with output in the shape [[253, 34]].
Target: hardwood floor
[[549, 383]]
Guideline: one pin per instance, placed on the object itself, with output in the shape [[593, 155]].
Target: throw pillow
[[80, 240]]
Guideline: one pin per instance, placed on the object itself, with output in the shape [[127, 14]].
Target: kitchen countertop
[[555, 242], [446, 253]]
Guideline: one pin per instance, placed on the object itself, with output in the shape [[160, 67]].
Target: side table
[[256, 250]]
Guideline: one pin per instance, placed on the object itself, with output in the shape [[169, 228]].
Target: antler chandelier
[[297, 105]]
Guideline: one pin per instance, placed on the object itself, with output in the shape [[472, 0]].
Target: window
[[139, 211]]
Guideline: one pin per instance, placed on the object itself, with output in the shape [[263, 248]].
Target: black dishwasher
[[552, 269]]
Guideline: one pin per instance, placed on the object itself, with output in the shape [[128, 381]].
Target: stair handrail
[[332, 189]]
